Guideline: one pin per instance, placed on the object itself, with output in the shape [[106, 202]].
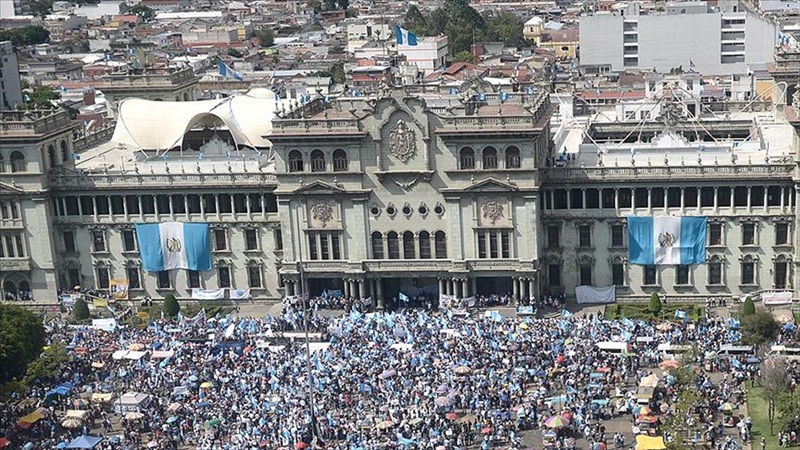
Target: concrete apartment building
[[713, 40], [10, 88]]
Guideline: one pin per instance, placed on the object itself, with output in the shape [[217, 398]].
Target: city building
[[152, 83], [360, 34], [428, 55], [408, 190], [713, 40], [10, 86]]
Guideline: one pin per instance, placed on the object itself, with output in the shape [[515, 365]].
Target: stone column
[[531, 290], [295, 287], [473, 286], [616, 200], [766, 197], [666, 199], [649, 200], [185, 204], [783, 199], [523, 288], [716, 199], [583, 198], [464, 288], [442, 288], [361, 292], [346, 288], [515, 286], [749, 199], [569, 198], [683, 200], [699, 198], [94, 205], [379, 293]]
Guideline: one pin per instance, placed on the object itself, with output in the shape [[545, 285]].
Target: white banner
[[777, 298], [590, 294], [239, 294], [104, 324], [208, 294]]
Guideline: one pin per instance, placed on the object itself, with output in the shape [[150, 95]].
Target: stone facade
[[405, 192]]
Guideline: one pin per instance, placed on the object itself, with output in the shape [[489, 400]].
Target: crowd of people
[[414, 379]]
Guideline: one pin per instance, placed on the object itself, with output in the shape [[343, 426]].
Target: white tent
[[131, 401], [155, 125]]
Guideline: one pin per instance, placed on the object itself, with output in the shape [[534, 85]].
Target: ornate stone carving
[[493, 210], [402, 141], [322, 212]]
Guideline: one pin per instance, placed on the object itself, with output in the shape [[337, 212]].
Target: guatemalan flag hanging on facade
[[404, 37], [174, 245], [667, 240]]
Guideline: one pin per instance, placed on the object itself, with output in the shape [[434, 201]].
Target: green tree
[[41, 8], [775, 381], [144, 12], [30, 35], [171, 307], [748, 308], [503, 26], [759, 328], [80, 311], [48, 365], [266, 37], [414, 18], [42, 97], [655, 304], [464, 56], [22, 337]]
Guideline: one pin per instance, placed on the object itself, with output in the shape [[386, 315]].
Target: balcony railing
[[577, 174], [33, 123], [134, 180], [15, 264]]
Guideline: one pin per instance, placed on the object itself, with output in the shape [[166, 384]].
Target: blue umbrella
[[61, 445], [172, 419], [193, 378], [203, 405], [596, 375]]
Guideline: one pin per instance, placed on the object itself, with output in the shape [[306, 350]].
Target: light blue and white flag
[[227, 72], [404, 37], [667, 240], [403, 297], [174, 245], [679, 314]]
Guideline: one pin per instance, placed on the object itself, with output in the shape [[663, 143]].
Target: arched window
[[64, 151], [489, 158], [51, 155], [424, 245], [467, 158], [409, 245], [295, 161], [17, 162], [377, 245], [317, 161], [440, 242], [9, 290], [339, 160], [393, 245], [25, 290], [748, 270], [512, 158], [2, 164]]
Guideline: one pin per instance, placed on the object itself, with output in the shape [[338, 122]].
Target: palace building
[[410, 190]]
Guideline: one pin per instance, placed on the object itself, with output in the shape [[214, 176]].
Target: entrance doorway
[[493, 285]]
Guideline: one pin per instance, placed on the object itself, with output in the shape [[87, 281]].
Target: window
[[682, 275], [313, 250], [617, 273], [715, 234], [336, 248], [17, 162], [64, 151], [250, 239], [132, 273], [254, 276], [649, 275], [163, 280], [408, 245], [377, 245], [193, 279], [424, 245], [724, 196], [748, 271], [278, 236], [552, 236], [18, 245], [340, 161], [585, 274], [715, 272], [99, 240], [440, 242], [325, 252], [69, 241], [482, 245], [554, 275], [781, 273], [467, 159], [494, 244], [324, 245], [512, 158], [489, 158], [295, 161], [102, 278], [393, 245], [224, 277], [128, 240], [748, 234], [585, 236], [317, 161], [51, 155], [220, 240], [781, 234], [617, 236]]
